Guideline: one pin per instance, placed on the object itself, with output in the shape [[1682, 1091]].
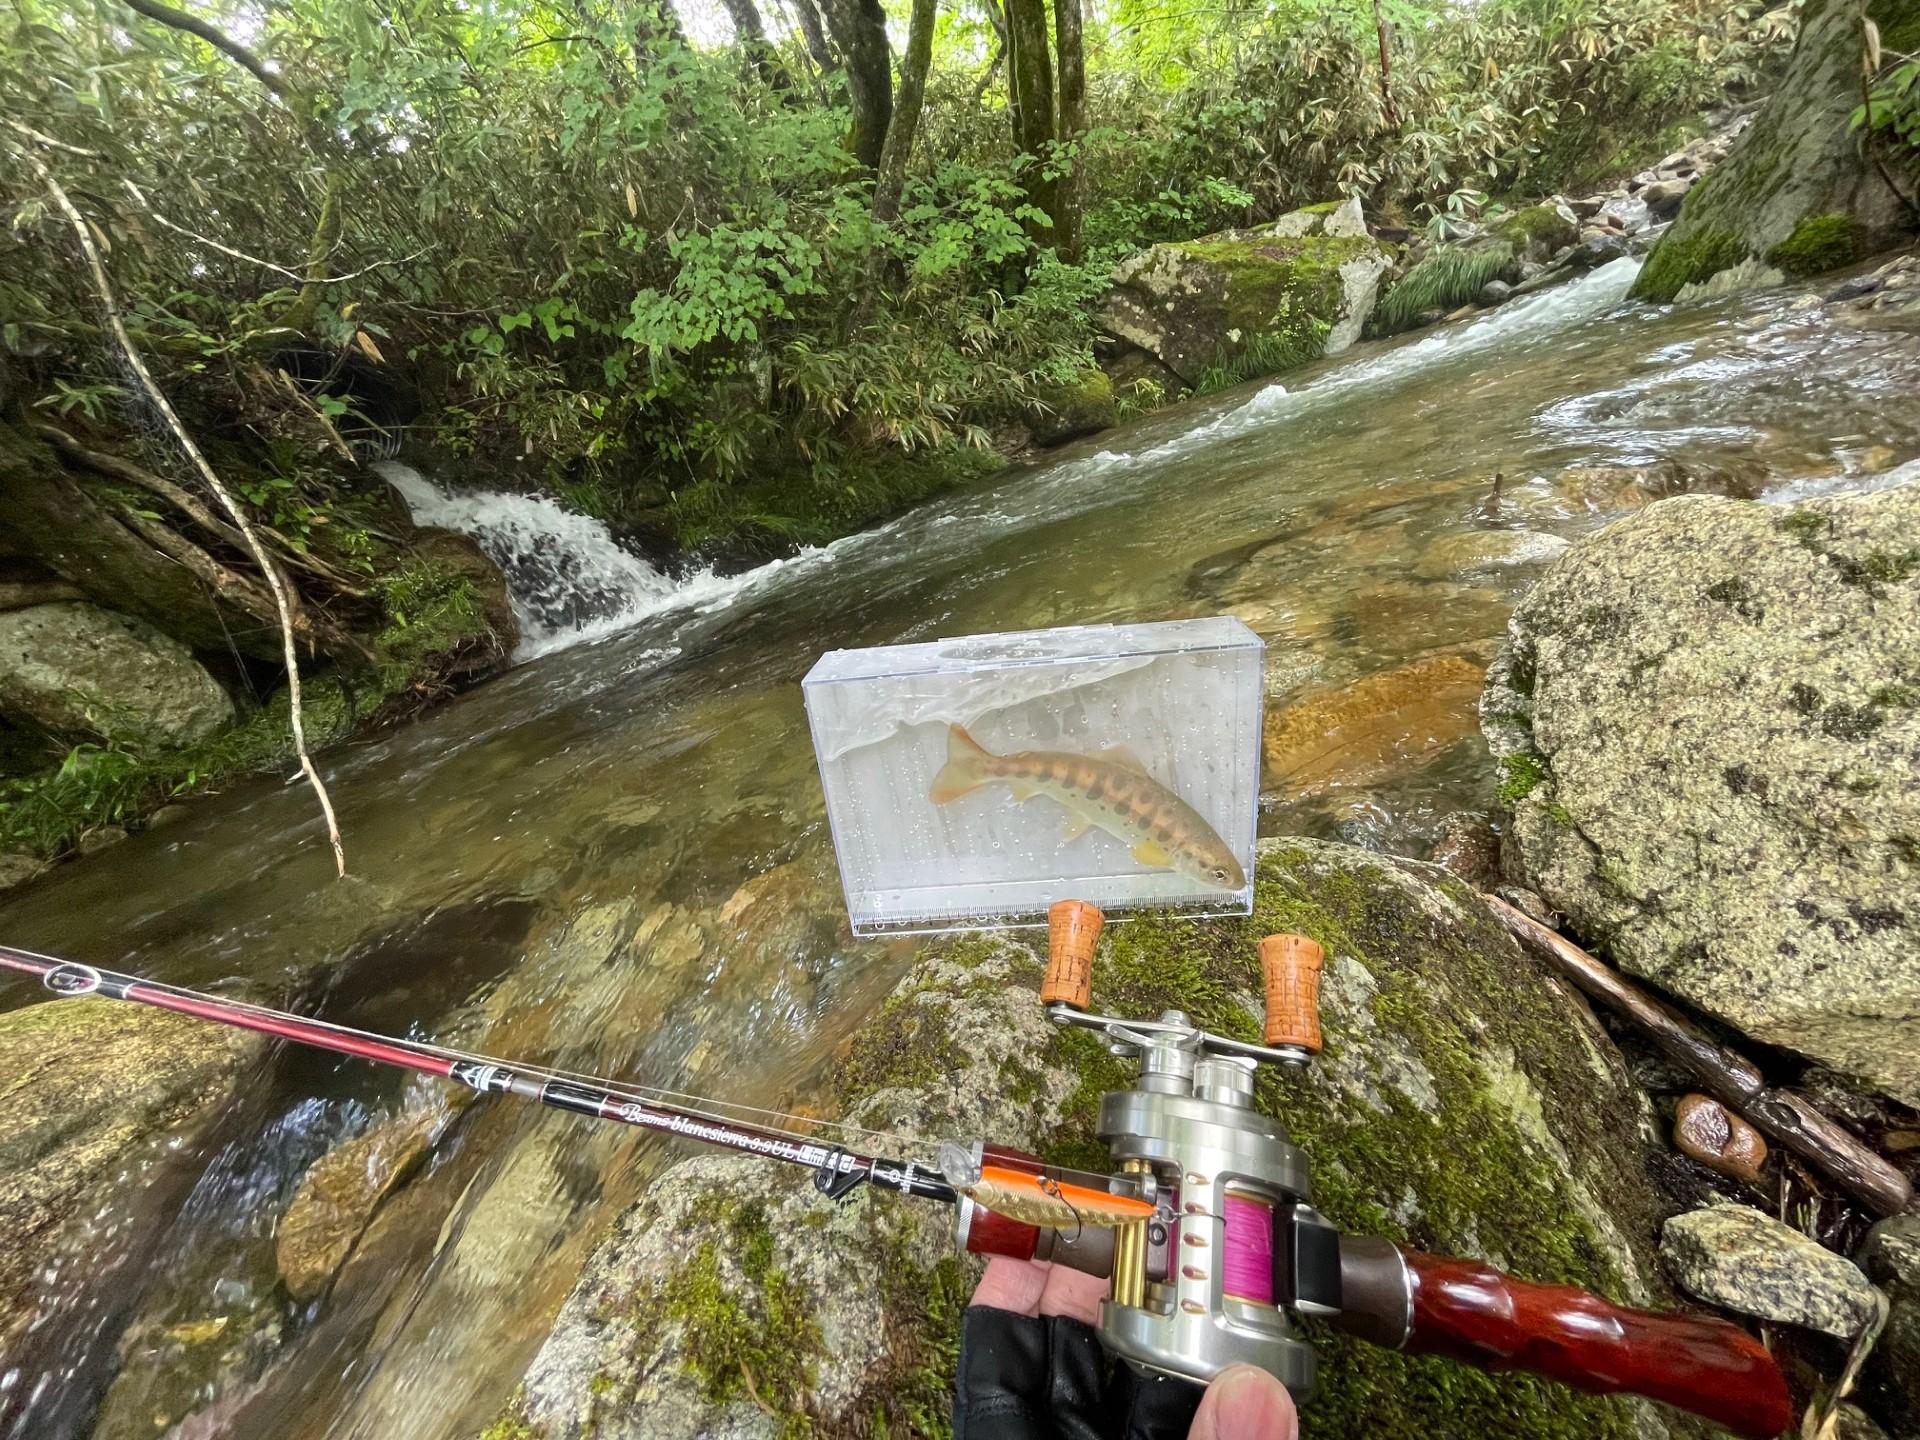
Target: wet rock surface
[[1744, 1260], [1464, 1103], [1891, 1258], [76, 669], [1706, 716], [86, 1085]]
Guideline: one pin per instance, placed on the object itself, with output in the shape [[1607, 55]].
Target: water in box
[[975, 781]]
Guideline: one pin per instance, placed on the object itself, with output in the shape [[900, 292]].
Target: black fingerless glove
[[1026, 1377]]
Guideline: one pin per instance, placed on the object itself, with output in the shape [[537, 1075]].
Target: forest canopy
[[756, 270]]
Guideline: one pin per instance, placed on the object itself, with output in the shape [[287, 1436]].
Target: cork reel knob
[[1291, 965], [1073, 926]]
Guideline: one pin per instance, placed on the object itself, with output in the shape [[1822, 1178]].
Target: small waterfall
[[569, 579]]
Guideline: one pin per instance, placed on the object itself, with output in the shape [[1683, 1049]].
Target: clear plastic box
[[973, 782]]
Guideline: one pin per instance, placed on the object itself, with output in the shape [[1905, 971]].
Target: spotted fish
[[1110, 791]]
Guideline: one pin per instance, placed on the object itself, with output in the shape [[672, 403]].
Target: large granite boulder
[[1708, 715], [75, 669], [1465, 1102], [1797, 193], [1244, 303], [86, 1088]]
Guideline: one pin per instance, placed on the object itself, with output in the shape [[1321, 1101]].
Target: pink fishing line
[[1249, 1261]]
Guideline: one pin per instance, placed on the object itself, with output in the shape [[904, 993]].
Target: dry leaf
[[1391, 722], [368, 348], [633, 204]]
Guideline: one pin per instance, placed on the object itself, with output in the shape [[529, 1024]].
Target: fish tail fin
[[965, 770]]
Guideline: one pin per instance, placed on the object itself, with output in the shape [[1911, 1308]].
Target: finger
[[1245, 1403], [1071, 1293], [1014, 1285]]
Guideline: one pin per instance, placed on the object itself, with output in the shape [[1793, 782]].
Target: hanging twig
[[219, 39], [1787, 1116], [103, 287]]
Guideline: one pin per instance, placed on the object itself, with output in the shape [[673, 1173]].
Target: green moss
[[1560, 815], [1067, 410], [1519, 775], [1820, 243], [1279, 295], [1686, 257], [755, 1341], [1445, 279], [432, 610], [512, 1422], [1542, 226], [1899, 696]]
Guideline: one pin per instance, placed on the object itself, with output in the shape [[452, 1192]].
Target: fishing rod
[[1205, 1229]]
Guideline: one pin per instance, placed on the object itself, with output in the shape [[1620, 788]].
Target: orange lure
[[1042, 1200]]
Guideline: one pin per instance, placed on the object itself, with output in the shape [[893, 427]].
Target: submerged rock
[[75, 669], [1246, 303], [1744, 1260], [1389, 723], [1797, 189], [338, 1195], [1469, 552], [1707, 715], [84, 1085], [1465, 1103]]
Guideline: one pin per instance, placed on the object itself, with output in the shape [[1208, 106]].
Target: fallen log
[[1789, 1118]]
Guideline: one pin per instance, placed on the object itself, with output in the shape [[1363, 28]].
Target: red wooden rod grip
[[1471, 1312]]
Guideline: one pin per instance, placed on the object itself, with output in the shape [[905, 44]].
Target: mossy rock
[[1535, 232], [88, 1087], [1795, 189], [1244, 303], [1702, 712], [1067, 412], [1465, 1103]]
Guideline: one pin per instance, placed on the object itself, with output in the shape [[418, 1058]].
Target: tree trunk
[[1386, 70], [859, 28], [906, 114], [807, 15], [1030, 89], [1072, 60]]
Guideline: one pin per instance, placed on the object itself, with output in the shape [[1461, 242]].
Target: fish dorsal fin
[[1123, 757]]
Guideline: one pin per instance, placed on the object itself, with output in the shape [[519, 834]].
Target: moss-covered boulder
[[1708, 713], [86, 1087], [74, 669], [1246, 303], [1797, 191], [1066, 412], [1465, 1103]]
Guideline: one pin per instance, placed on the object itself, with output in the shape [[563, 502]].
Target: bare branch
[[43, 139], [275, 581], [228, 250], [214, 36]]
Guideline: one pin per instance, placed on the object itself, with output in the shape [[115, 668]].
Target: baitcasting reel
[[1233, 1243], [1213, 1247]]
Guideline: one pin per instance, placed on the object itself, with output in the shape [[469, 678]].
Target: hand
[[1039, 1376]]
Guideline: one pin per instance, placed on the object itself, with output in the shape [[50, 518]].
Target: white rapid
[[568, 578]]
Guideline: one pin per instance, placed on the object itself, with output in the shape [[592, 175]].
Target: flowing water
[[614, 857]]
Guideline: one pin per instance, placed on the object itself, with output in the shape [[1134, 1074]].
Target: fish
[[1110, 791]]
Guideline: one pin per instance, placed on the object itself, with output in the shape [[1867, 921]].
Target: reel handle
[[1471, 1312], [1073, 926], [1291, 965]]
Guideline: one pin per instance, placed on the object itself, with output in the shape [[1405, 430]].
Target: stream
[[654, 783]]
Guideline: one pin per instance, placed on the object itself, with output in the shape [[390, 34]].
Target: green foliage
[[617, 260], [1447, 277], [96, 785]]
